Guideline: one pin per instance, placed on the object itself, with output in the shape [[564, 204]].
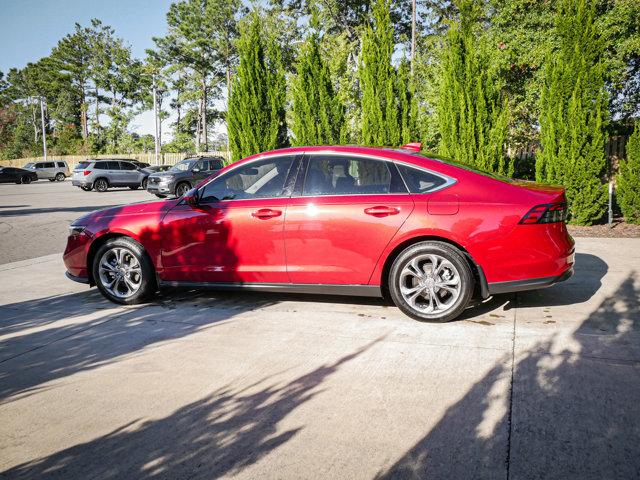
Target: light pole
[[155, 118], [44, 133]]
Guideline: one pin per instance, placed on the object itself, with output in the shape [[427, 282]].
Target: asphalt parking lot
[[541, 384]]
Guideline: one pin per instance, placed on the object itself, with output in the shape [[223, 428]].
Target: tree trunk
[[97, 111], [198, 125]]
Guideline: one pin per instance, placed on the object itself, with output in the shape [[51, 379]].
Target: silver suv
[[53, 171], [103, 174]]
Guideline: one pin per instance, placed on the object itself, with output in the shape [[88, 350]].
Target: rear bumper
[[81, 183], [528, 284]]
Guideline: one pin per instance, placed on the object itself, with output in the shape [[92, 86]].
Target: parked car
[[137, 163], [183, 176], [17, 175], [153, 169], [54, 171], [359, 221], [103, 174]]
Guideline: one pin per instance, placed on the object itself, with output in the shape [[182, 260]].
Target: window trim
[[449, 181], [294, 170]]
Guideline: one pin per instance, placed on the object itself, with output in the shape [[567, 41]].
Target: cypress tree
[[628, 180], [256, 115], [472, 112], [573, 112], [317, 114], [377, 78], [407, 104]]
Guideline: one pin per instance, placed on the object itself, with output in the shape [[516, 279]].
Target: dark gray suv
[[183, 176]]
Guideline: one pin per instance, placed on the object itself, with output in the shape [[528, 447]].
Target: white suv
[[53, 171]]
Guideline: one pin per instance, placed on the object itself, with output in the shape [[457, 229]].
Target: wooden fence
[[73, 160]]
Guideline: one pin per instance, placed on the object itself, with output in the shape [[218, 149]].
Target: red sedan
[[338, 220]]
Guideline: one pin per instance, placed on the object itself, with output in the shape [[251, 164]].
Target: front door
[[235, 233], [347, 211]]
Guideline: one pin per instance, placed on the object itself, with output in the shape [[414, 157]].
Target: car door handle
[[381, 211], [265, 213]]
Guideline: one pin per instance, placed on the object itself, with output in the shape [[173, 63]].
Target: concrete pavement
[[34, 217], [203, 385]]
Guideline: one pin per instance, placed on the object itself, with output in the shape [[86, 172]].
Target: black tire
[[182, 188], [134, 187], [144, 184], [446, 252], [87, 188], [160, 195], [26, 179], [148, 283], [52, 179], [101, 185], [60, 177]]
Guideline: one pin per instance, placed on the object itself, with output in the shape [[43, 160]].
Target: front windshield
[[182, 166], [29, 165]]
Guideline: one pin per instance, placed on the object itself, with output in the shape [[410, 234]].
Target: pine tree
[[628, 180], [377, 76], [472, 113], [407, 104], [317, 114], [573, 112], [256, 115]]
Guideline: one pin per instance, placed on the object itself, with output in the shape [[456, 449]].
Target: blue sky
[[29, 29]]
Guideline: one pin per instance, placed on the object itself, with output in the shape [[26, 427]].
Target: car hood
[[167, 174], [154, 208]]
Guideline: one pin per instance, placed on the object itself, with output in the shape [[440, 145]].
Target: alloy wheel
[[182, 189], [120, 272], [101, 185], [430, 283]]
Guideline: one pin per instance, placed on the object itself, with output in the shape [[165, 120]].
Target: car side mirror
[[195, 170], [191, 198]]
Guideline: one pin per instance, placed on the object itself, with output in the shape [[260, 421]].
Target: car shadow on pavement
[[219, 434], [562, 407]]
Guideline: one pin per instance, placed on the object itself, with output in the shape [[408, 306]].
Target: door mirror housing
[[195, 170], [192, 197]]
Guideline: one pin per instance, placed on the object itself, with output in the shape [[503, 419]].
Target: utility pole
[[155, 118], [44, 133], [413, 33]]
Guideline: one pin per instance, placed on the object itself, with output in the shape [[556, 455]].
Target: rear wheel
[[101, 185], [123, 272], [431, 281], [60, 177], [182, 188]]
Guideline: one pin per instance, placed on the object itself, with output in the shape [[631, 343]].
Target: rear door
[[114, 173], [343, 214], [129, 173]]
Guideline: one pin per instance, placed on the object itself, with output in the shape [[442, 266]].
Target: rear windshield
[[457, 164], [82, 165]]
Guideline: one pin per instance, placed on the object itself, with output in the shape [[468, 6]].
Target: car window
[[29, 165], [215, 163], [182, 166], [49, 165], [420, 181], [346, 175], [261, 179], [127, 166], [61, 164], [82, 165], [113, 165], [101, 166], [39, 165], [200, 165]]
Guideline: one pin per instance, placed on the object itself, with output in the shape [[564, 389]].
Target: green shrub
[[628, 180]]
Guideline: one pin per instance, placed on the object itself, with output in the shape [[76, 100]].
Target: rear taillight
[[546, 213], [87, 172]]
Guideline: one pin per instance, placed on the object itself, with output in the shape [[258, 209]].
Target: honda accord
[[428, 233]]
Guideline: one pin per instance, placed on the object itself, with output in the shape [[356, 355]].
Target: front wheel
[[123, 272], [60, 177], [182, 188], [101, 185], [144, 184], [431, 281], [26, 179]]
